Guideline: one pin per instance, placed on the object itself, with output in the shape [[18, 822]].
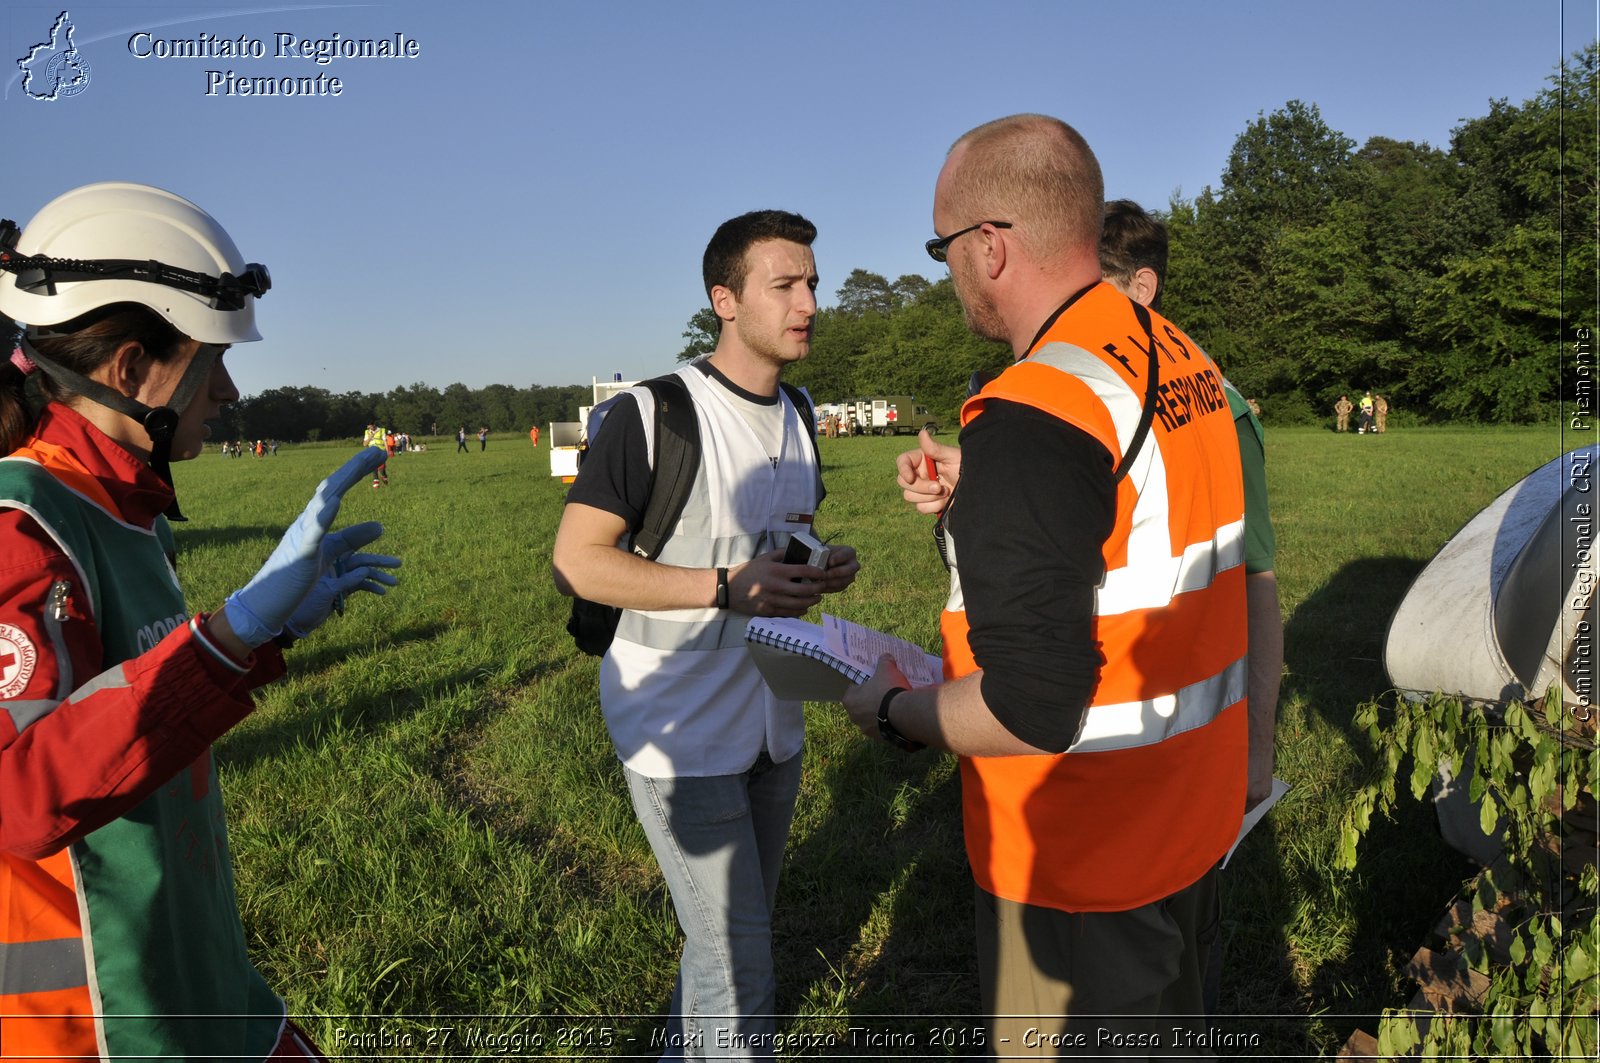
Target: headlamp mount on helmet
[[95, 250], [40, 273]]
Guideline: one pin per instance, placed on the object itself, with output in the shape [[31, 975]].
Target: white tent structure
[[1505, 610]]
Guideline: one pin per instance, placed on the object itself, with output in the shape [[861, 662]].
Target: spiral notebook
[[805, 662]]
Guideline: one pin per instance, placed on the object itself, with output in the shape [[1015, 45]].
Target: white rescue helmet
[[119, 242]]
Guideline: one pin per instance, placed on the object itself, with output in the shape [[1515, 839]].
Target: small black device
[[804, 549]]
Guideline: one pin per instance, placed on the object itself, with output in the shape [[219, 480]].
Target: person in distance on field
[[120, 934], [1098, 714], [711, 756]]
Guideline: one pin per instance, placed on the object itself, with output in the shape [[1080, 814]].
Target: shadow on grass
[[1333, 644], [191, 535], [369, 712], [1333, 650], [894, 829]]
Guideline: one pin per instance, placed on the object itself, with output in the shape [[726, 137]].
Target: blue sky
[[527, 200]]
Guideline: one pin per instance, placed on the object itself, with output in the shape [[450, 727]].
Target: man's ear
[[1145, 286], [994, 254], [723, 302]]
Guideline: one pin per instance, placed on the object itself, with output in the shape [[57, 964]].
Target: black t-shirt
[[616, 474], [1030, 517]]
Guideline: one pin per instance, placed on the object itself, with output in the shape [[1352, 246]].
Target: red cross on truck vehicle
[[886, 415]]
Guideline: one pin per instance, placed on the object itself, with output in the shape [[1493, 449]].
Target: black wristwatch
[[887, 729]]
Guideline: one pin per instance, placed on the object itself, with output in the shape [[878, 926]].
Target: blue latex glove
[[344, 572], [259, 609]]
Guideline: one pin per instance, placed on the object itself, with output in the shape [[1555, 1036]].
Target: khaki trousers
[[1091, 985]]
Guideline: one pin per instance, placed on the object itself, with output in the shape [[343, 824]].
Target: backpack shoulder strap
[[808, 417], [807, 414], [676, 465]]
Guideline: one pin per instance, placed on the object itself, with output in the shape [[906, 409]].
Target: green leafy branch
[[1526, 770]]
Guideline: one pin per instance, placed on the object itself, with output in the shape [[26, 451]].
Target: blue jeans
[[719, 841]]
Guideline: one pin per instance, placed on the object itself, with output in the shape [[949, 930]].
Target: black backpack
[[592, 625]]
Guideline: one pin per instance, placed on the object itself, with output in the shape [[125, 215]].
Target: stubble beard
[[775, 351], [977, 309]]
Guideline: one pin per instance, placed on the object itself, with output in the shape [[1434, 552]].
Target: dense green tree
[[1433, 276], [499, 408], [908, 288], [460, 406], [1560, 169], [864, 292], [1494, 319], [838, 341], [280, 413], [704, 328], [546, 404], [412, 410], [929, 352], [1285, 171]]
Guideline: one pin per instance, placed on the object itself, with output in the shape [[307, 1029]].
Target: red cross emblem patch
[[17, 660]]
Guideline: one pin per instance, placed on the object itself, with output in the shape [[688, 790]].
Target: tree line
[[1448, 279], [295, 414], [1441, 278]]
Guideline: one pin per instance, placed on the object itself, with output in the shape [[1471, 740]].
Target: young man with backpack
[[712, 758]]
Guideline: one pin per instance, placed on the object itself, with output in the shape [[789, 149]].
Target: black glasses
[[940, 244]]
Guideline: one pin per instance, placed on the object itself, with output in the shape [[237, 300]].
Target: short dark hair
[[1130, 240], [724, 263]]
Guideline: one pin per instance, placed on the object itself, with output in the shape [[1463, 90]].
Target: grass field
[[435, 851]]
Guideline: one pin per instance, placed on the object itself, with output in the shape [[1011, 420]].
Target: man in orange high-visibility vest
[[1095, 635]]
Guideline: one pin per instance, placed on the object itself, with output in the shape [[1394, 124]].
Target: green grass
[[428, 819]]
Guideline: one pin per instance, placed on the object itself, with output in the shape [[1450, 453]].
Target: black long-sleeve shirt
[[1029, 518]]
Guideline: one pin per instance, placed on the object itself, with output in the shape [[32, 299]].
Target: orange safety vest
[[1151, 793], [47, 1010]]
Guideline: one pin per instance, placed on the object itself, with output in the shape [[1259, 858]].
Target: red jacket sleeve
[[70, 764]]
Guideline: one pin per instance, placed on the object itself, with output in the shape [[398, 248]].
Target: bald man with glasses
[[1091, 521]]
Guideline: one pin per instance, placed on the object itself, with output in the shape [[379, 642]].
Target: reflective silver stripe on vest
[[1142, 723], [23, 713], [42, 966], [1124, 404], [661, 634], [1151, 582]]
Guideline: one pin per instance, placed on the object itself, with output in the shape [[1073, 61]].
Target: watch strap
[[887, 730]]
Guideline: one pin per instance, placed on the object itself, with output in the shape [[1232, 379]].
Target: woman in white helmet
[[119, 929]]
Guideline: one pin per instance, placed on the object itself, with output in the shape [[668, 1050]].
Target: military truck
[[885, 415]]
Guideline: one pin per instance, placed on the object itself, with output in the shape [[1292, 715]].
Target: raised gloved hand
[[344, 572], [258, 610]]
